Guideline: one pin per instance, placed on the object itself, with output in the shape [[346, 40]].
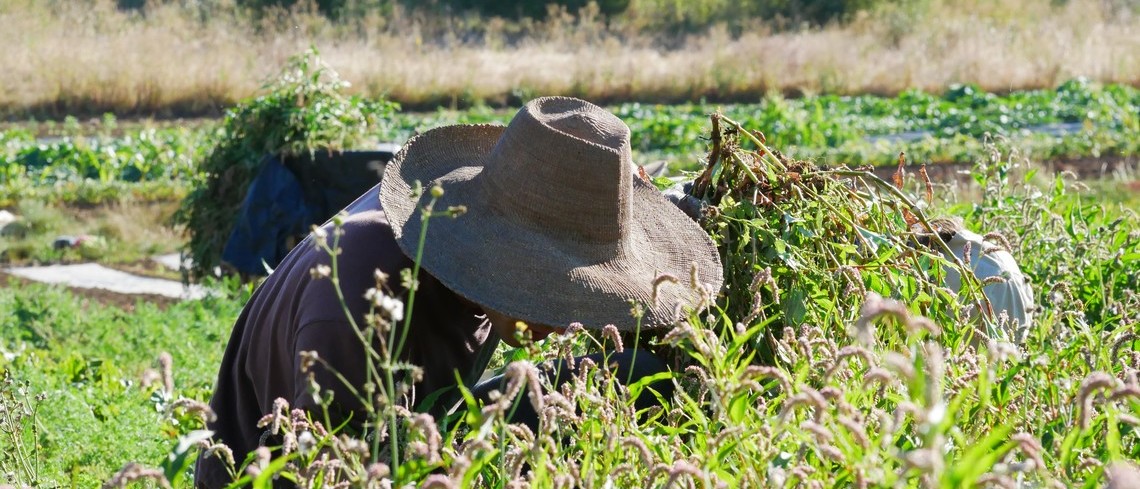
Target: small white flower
[[320, 271], [391, 307], [306, 442], [320, 233]]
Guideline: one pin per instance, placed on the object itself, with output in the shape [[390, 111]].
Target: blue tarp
[[288, 196], [274, 210]]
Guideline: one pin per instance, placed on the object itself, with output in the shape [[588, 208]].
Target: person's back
[[1010, 295], [990, 261], [296, 310]]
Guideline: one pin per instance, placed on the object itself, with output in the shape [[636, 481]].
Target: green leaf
[[795, 306], [1112, 441], [738, 408], [1068, 445], [179, 460], [264, 479], [980, 457]]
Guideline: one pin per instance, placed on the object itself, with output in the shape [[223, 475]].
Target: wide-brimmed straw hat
[[557, 228]]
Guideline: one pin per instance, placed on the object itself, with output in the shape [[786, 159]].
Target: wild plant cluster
[[833, 356], [20, 460]]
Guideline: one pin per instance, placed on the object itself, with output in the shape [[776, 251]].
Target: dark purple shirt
[[293, 312]]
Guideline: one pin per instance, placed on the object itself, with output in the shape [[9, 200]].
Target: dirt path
[[96, 276], [106, 285], [126, 302]]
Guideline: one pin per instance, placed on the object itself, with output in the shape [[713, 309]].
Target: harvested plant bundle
[[805, 245], [304, 110]]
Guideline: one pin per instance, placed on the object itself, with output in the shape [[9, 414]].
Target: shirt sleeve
[[342, 364]]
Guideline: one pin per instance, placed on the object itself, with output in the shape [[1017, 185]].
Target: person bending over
[[557, 230], [1010, 296]]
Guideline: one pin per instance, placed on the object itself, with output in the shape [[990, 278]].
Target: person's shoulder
[[363, 245], [963, 237], [989, 258], [365, 230]]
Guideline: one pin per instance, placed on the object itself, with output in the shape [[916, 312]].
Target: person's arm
[[680, 197], [340, 371]]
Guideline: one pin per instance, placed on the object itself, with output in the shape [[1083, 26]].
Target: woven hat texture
[[557, 228]]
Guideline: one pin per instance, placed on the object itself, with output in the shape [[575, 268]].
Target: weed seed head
[[261, 458], [681, 468], [757, 372], [166, 365], [1094, 382], [1121, 475], [132, 472], [1031, 447], [660, 280], [1125, 392], [221, 451], [901, 364], [611, 332], [821, 433], [378, 471], [642, 450], [437, 481], [195, 408]]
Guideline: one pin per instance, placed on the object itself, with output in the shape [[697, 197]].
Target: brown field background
[[87, 57]]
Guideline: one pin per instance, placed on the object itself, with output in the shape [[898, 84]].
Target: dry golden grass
[[87, 57]]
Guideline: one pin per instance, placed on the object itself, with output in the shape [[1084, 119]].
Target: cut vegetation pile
[[803, 245], [304, 110], [870, 371]]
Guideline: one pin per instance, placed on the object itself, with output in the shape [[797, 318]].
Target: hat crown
[[563, 165]]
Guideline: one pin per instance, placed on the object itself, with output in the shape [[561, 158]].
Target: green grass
[[124, 231], [89, 361]]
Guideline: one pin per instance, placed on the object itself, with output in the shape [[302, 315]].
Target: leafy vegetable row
[[1078, 119]]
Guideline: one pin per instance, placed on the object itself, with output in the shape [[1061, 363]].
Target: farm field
[[836, 354], [91, 375], [91, 387], [106, 158], [121, 179]]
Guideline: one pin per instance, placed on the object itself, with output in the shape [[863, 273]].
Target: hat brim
[[527, 273]]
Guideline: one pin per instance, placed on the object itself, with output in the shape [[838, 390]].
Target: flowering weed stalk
[[20, 457]]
